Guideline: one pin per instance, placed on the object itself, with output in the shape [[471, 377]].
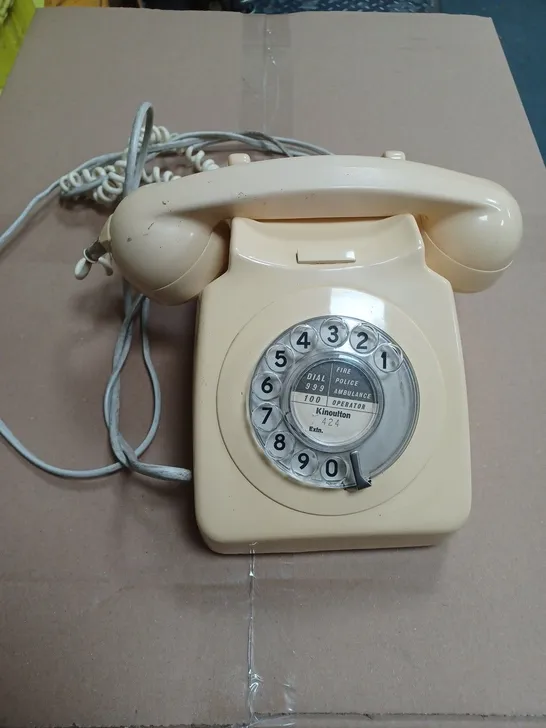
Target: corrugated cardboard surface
[[113, 611]]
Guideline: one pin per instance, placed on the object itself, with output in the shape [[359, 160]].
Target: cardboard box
[[113, 610]]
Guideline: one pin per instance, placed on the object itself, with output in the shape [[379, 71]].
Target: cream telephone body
[[330, 404]]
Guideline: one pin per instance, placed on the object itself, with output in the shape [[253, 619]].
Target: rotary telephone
[[330, 403]]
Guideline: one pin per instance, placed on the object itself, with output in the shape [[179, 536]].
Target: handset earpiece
[[472, 247], [168, 258]]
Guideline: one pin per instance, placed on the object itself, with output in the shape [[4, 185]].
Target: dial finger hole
[[333, 469], [334, 332], [304, 463], [303, 339], [388, 358], [266, 386], [266, 417], [280, 444], [279, 358], [364, 339]]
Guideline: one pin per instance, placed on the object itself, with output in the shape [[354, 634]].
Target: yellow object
[[330, 406], [77, 3], [15, 17]]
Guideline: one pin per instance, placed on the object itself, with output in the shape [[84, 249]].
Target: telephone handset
[[329, 399], [166, 243]]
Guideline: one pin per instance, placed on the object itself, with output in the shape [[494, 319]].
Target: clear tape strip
[[272, 611], [254, 680], [267, 106], [267, 74]]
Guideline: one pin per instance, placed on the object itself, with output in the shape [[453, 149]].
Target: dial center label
[[334, 403]]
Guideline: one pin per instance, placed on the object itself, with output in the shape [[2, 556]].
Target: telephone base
[[270, 309]]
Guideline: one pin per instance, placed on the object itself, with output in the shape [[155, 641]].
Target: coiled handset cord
[[107, 179]]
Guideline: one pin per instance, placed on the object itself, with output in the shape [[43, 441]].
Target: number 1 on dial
[[388, 357]]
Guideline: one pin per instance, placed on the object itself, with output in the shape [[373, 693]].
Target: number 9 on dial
[[304, 463]]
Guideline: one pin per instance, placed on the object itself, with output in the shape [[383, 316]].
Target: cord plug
[[93, 254]]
